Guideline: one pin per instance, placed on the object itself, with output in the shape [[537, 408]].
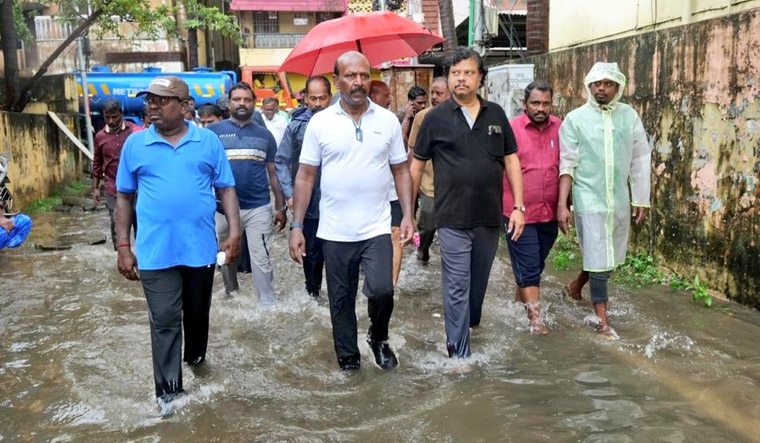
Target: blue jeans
[[528, 254]]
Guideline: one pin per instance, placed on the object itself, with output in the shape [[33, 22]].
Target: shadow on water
[[75, 362]]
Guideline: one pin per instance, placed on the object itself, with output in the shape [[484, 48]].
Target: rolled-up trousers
[[177, 296]]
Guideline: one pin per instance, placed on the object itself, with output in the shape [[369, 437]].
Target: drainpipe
[[687, 11]]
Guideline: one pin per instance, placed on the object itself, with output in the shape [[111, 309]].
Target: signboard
[[300, 21], [506, 86]]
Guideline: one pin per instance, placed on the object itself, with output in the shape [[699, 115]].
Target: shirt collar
[[192, 135], [527, 122], [123, 127], [454, 105], [339, 109]]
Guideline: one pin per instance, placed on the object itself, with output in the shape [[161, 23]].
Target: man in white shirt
[[356, 143], [276, 123]]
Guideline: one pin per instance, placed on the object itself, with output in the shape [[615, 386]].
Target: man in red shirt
[[537, 134], [108, 144]]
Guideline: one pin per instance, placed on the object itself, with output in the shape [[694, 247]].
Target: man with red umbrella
[[355, 142]]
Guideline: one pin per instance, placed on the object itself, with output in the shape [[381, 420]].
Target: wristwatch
[[519, 208], [283, 208], [296, 225]]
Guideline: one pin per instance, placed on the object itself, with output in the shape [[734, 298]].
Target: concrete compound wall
[[697, 89], [42, 158]]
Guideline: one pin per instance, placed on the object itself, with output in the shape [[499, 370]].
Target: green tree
[[99, 17]]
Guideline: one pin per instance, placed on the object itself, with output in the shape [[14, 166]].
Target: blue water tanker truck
[[206, 86]]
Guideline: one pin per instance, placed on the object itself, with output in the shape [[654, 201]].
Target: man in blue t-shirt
[[251, 149], [176, 166]]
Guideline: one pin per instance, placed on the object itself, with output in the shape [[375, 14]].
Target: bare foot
[[572, 292], [606, 331], [538, 329]]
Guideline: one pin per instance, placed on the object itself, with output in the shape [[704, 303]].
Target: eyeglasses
[[158, 100], [467, 73]]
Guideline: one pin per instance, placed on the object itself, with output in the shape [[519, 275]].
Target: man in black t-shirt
[[470, 143]]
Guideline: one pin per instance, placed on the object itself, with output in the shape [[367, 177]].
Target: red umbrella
[[380, 36]]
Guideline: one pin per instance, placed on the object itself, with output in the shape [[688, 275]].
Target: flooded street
[[75, 362]]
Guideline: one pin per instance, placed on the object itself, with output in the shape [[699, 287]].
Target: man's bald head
[[380, 93], [346, 57], [353, 78]]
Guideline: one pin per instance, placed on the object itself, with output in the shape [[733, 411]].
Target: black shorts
[[396, 214]]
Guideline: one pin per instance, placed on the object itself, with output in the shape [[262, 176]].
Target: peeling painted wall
[[697, 89]]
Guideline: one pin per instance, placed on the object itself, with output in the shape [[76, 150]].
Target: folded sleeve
[[398, 152]]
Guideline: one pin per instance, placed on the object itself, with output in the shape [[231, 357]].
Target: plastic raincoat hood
[[601, 71]]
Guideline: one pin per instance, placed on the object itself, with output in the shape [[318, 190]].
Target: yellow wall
[[42, 158], [574, 23], [263, 56]]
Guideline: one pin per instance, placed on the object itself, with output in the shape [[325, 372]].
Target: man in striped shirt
[[251, 148]]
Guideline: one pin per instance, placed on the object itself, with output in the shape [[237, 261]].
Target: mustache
[[359, 89]]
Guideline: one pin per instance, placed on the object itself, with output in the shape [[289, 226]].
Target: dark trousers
[[176, 295], [598, 283], [466, 259], [314, 261], [342, 260], [111, 206], [528, 254], [426, 224]]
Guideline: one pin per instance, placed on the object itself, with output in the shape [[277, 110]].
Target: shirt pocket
[[493, 144]]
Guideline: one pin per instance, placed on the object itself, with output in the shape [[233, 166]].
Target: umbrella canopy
[[380, 36]]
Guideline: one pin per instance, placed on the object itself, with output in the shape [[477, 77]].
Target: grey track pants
[[466, 257], [257, 224]]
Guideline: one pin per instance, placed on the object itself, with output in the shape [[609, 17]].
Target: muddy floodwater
[[75, 362]]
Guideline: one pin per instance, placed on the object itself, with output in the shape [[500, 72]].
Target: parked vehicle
[[205, 86], [267, 82]]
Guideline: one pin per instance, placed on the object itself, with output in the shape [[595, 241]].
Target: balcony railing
[[271, 40], [48, 28]]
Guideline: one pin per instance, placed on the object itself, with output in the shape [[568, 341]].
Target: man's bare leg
[[530, 296], [397, 253], [600, 309], [574, 288]]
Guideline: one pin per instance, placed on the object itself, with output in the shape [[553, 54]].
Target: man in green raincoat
[[605, 160]]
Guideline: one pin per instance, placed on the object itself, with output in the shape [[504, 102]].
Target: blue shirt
[[249, 148], [175, 210]]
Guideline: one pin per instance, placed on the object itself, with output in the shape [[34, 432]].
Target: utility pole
[[479, 18], [475, 26], [86, 95]]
